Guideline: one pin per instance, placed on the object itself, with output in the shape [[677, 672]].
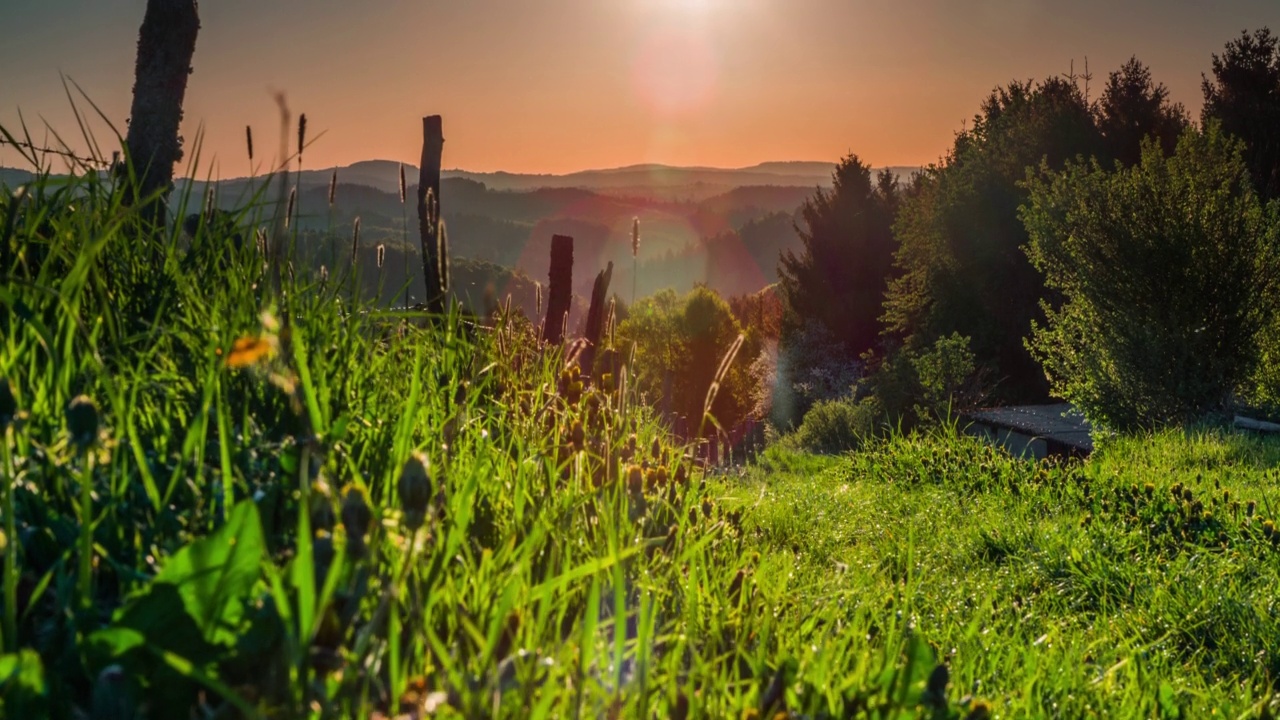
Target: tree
[[1244, 96], [1167, 270], [961, 267], [842, 269], [1133, 108], [678, 344]]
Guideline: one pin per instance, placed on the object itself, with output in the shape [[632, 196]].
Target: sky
[[554, 86]]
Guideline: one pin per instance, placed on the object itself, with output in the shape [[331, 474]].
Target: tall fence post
[[430, 229], [166, 44], [560, 292]]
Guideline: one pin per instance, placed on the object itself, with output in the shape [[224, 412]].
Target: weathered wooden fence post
[[166, 44], [595, 320], [560, 292], [435, 255]]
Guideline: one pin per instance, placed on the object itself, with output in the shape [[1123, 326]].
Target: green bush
[[1167, 271], [834, 426]]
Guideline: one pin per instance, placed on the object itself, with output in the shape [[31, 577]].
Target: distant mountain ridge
[[656, 180]]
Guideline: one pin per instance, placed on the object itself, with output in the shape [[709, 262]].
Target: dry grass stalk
[[442, 243], [302, 137], [355, 241], [574, 350], [288, 215], [725, 363]]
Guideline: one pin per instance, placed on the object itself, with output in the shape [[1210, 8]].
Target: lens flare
[[675, 72]]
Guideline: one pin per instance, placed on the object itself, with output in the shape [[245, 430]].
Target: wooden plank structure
[[1034, 431]]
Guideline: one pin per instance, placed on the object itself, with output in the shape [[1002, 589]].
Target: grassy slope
[[202, 544], [1054, 591]]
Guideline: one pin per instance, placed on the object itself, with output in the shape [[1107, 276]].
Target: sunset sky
[[562, 85]]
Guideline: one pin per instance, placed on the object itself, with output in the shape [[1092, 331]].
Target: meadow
[[227, 500]]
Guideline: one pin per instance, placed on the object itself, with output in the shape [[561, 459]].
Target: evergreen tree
[[839, 276], [1133, 108], [1244, 96]]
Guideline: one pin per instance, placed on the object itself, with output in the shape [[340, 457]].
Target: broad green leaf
[[216, 573]]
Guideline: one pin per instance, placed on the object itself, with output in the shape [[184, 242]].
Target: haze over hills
[[723, 227]]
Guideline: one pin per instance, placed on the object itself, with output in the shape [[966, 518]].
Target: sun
[[695, 7]]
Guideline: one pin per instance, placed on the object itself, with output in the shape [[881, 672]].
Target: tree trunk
[[595, 320], [434, 249], [166, 43], [560, 293]]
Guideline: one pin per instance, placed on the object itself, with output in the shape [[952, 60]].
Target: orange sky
[[563, 85]]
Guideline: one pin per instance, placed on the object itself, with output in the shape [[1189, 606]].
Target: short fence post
[[560, 292]]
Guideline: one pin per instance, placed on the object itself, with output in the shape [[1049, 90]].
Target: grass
[[229, 501], [1140, 584]]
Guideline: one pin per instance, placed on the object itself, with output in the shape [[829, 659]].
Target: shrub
[[1166, 272], [810, 365], [918, 386], [833, 426]]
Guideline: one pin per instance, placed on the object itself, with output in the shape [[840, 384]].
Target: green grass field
[[1141, 584], [232, 501]]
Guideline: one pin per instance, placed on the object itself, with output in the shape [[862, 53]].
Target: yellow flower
[[248, 351]]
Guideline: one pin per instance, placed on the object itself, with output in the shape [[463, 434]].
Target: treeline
[[1111, 251]]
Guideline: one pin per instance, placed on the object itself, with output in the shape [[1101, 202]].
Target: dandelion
[[248, 351]]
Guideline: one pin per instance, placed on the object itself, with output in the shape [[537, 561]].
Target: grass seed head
[[8, 403], [302, 135], [415, 490], [248, 138], [82, 421], [357, 517], [293, 199], [333, 187]]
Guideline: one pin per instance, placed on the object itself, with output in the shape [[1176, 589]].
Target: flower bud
[[356, 518], [8, 403], [415, 490], [82, 421]]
